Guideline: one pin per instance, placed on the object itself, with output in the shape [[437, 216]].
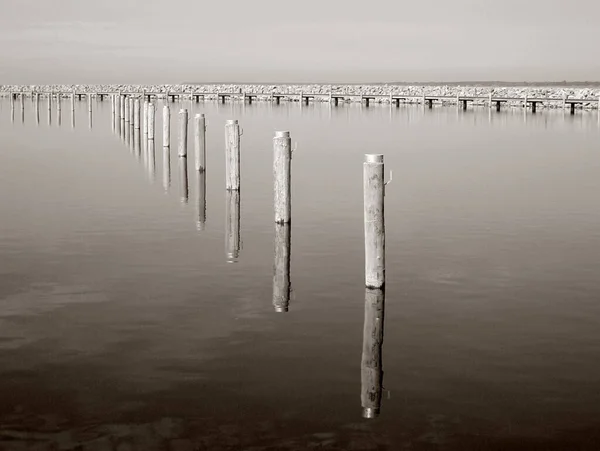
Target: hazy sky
[[95, 41]]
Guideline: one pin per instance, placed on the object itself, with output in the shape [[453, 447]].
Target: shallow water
[[133, 315]]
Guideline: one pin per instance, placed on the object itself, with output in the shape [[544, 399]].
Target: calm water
[[135, 316]]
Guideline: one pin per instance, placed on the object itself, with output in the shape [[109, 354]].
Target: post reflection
[[90, 119], [232, 225], [166, 167], [151, 159], [136, 143], [201, 183], [281, 268], [183, 180], [371, 363]]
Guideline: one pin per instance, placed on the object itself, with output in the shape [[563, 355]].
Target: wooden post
[[89, 99], [371, 371], [183, 132], [281, 268], [490, 101], [183, 179], [151, 113], [49, 107], [12, 107], [166, 126], [232, 155], [374, 190], [282, 174], [200, 141], [201, 220], [131, 112], [58, 109], [232, 225], [564, 102]]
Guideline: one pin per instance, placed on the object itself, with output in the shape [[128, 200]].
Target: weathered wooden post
[[490, 101], [131, 112], [72, 101], [89, 100], [374, 191], [232, 225], [166, 126], [282, 174], [183, 132], [564, 102], [232, 155], [183, 179], [151, 117], [37, 108], [200, 141], [201, 220], [281, 268], [371, 368]]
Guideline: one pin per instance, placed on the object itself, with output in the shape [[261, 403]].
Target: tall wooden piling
[[49, 108], [72, 102], [166, 126], [89, 101], [232, 155], [374, 190], [282, 175], [122, 100], [232, 225], [281, 268], [201, 203], [183, 132], [371, 366], [200, 141]]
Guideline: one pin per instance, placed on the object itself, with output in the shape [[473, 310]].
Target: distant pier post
[[145, 120], [166, 126], [232, 155], [490, 101], [374, 190], [122, 111], [200, 141], [183, 132], [282, 172], [127, 111]]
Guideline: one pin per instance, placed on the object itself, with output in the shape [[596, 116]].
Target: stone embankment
[[384, 90]]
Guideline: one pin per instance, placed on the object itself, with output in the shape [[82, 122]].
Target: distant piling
[[183, 132], [371, 367], [166, 126], [374, 190], [281, 268], [200, 141], [232, 155], [73, 102], [282, 174], [145, 119], [127, 111], [122, 111]]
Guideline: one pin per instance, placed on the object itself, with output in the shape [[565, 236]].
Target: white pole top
[[373, 158], [282, 134]]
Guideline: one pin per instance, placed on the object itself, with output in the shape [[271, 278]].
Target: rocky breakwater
[[354, 92]]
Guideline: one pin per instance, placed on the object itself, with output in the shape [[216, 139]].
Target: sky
[[329, 41]]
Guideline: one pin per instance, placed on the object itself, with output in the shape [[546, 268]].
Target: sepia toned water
[[137, 307]]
